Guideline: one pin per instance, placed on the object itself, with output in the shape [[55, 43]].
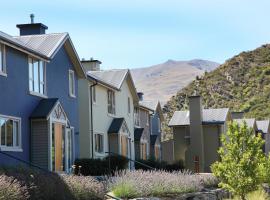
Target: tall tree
[[241, 156]]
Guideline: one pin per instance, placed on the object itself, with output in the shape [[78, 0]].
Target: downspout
[[91, 116]]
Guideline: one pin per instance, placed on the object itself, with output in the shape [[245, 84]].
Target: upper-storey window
[[129, 108], [10, 133], [111, 102], [136, 116], [36, 76], [71, 83], [2, 59]]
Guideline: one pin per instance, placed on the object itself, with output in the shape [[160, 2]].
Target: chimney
[[91, 65], [140, 95], [196, 134], [32, 28]]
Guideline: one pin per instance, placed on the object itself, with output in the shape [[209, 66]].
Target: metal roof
[[152, 105], [250, 122], [116, 125], [43, 108], [113, 78], [263, 125], [46, 44], [138, 134], [209, 116]]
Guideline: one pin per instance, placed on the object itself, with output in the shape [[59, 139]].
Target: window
[[129, 110], [2, 59], [111, 102], [99, 143], [147, 118], [136, 116], [10, 131], [36, 76], [71, 83]]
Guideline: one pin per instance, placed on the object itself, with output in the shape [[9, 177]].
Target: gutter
[[91, 116]]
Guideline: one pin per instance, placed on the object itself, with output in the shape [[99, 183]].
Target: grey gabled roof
[[250, 122], [116, 125], [153, 139], [138, 133], [46, 44], [113, 78], [263, 125], [209, 116], [152, 105], [43, 108]]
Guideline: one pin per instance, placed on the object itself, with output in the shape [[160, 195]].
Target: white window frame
[[13, 147], [72, 87], [103, 147], [147, 118], [136, 117], [3, 67], [111, 102], [129, 105], [31, 80]]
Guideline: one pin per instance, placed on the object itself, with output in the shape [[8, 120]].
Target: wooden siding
[[39, 143]]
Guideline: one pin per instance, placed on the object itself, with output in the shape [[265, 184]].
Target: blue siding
[[15, 99]]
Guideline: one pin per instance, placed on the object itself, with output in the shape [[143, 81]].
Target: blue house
[[39, 120]]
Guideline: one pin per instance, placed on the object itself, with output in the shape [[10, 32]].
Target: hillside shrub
[[100, 167]]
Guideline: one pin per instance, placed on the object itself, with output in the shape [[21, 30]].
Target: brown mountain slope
[[162, 81]]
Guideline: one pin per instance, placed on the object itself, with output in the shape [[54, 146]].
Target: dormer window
[[36, 77], [2, 60]]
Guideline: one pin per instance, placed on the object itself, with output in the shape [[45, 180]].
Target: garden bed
[[137, 184]]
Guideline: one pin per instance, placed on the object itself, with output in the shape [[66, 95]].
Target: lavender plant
[[10, 188], [131, 184], [84, 187]]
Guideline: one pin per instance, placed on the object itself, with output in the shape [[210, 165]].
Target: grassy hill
[[242, 83]]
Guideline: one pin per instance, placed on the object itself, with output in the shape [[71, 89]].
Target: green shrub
[[241, 158], [99, 167]]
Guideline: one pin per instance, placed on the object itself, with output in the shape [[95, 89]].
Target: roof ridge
[[19, 36]]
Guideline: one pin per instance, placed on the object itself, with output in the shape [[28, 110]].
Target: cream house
[[106, 107]]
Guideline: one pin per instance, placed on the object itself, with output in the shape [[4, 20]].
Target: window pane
[[2, 131], [41, 71], [16, 133], [36, 76], [9, 125]]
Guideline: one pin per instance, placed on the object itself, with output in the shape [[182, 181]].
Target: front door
[[59, 147]]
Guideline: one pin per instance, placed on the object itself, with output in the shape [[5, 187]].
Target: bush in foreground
[[47, 185], [10, 188], [241, 160], [132, 184]]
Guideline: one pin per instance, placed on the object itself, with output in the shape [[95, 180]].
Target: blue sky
[[138, 33]]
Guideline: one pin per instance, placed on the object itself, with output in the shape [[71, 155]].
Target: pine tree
[[241, 157]]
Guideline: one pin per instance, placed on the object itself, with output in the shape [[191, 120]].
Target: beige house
[[197, 134], [142, 130], [106, 101]]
